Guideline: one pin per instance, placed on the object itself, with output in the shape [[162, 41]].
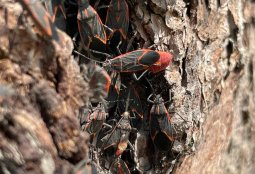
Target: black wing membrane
[[84, 27], [89, 18], [161, 128], [41, 17], [91, 30], [57, 11], [149, 58], [135, 104], [130, 61], [118, 166], [99, 82], [118, 16], [97, 119], [154, 124], [84, 114]]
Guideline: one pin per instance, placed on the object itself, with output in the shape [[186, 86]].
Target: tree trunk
[[40, 93], [211, 80]]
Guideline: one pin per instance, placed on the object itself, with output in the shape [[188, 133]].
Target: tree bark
[[40, 93], [212, 81]]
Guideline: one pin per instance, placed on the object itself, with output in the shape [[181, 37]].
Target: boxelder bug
[[138, 60], [135, 104], [99, 82], [125, 129], [95, 120], [90, 27], [84, 114], [160, 124], [117, 19], [113, 94], [57, 11], [118, 138], [41, 17], [118, 166]]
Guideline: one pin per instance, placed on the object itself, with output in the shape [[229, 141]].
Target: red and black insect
[[118, 138], [135, 104], [117, 19], [41, 17], [99, 81], [160, 125], [95, 120], [118, 166], [90, 27], [84, 114], [114, 91], [116, 141], [124, 128], [138, 60], [57, 11]]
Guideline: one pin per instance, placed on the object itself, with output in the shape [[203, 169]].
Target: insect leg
[[138, 78]]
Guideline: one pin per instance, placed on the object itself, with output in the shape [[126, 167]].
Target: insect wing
[[149, 57], [154, 124], [136, 104], [134, 101], [90, 25], [114, 91], [84, 115], [97, 25], [120, 133], [112, 96], [118, 16], [53, 6], [161, 128], [40, 17], [99, 81], [119, 167], [128, 62], [84, 28], [112, 139], [57, 11], [124, 127], [97, 118]]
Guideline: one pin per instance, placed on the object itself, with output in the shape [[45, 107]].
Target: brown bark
[[41, 91], [212, 79]]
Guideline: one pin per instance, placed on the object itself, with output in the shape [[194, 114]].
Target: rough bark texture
[[212, 80], [41, 91], [212, 87]]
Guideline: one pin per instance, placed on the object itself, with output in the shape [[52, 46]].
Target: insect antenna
[[87, 57]]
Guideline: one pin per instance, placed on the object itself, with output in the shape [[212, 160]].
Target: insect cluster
[[123, 107]]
